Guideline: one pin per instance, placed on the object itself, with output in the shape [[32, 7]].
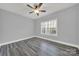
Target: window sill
[[49, 34]]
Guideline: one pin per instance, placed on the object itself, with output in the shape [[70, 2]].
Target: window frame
[[45, 29]]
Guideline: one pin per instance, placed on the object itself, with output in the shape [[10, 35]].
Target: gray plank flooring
[[37, 47]]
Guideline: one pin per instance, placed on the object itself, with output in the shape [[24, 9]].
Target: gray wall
[[77, 14], [67, 25], [14, 27]]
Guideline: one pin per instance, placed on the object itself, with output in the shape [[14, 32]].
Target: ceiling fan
[[36, 8]]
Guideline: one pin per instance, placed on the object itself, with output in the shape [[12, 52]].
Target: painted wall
[[14, 27], [67, 25], [77, 14]]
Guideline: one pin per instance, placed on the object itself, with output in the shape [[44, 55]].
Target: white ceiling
[[21, 9]]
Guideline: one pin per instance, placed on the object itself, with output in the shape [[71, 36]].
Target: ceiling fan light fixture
[[36, 8], [36, 11]]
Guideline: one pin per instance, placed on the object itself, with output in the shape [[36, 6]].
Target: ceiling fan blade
[[35, 5], [40, 4], [29, 6], [42, 10], [31, 12]]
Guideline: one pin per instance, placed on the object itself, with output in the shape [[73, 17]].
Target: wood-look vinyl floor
[[37, 47]]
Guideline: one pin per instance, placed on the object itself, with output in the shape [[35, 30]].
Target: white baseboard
[[69, 44], [16, 40], [73, 45]]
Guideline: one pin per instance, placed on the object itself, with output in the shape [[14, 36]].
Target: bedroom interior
[[39, 29]]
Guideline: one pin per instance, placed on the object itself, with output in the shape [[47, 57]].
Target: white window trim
[[51, 34]]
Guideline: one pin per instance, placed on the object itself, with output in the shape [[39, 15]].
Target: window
[[49, 27]]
